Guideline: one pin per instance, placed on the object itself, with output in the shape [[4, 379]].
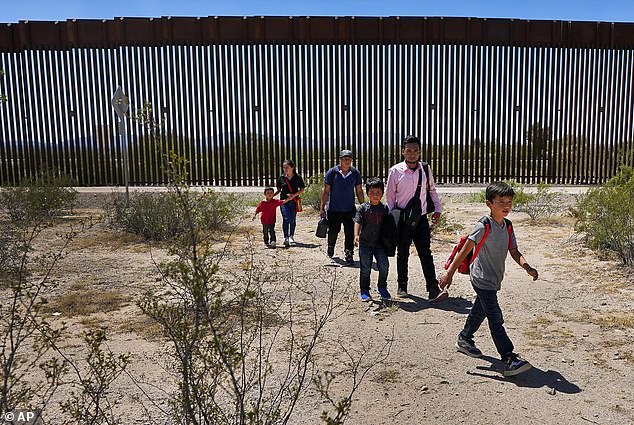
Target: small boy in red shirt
[[268, 208]]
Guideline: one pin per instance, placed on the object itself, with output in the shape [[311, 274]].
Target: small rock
[[564, 361], [424, 388], [444, 382], [551, 391]]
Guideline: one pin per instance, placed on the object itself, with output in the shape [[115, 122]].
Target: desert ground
[[575, 324]]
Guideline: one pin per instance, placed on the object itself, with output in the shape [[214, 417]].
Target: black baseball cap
[[346, 152]]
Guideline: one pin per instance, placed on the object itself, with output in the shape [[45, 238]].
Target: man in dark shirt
[[341, 182]]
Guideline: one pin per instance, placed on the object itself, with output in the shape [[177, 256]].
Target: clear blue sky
[[579, 10]]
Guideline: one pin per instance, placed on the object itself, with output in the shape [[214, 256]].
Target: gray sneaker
[[468, 347], [514, 365]]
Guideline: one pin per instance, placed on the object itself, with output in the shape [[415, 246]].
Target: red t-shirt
[[268, 210]]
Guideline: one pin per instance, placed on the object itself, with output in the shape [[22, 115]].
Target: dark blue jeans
[[366, 252], [289, 218], [486, 306], [422, 240]]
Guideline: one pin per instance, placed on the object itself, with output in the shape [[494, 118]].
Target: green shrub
[[311, 196], [521, 197], [159, 217], [443, 225], [543, 203], [605, 215], [38, 200]]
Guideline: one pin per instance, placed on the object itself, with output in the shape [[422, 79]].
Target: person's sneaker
[[349, 258], [436, 295], [365, 296], [384, 293], [331, 251], [433, 292], [401, 292], [441, 297], [272, 244], [514, 365], [468, 347], [291, 241], [286, 242]]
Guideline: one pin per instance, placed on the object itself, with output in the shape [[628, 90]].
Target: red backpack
[[470, 258]]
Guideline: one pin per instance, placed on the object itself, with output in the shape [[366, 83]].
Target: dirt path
[[575, 325]]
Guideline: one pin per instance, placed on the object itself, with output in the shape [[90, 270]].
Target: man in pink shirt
[[402, 181]]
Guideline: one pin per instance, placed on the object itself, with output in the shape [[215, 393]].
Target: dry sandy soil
[[575, 325]]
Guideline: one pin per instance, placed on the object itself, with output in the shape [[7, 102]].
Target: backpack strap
[[288, 183], [420, 178], [509, 229], [487, 229], [426, 170]]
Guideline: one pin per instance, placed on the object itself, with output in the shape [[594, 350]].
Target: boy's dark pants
[[366, 252], [335, 220], [486, 306], [422, 240], [268, 231]]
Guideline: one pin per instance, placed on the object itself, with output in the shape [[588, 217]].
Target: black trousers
[[268, 231], [335, 220], [422, 241]]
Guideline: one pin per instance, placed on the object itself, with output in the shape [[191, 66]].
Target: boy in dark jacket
[[367, 231]]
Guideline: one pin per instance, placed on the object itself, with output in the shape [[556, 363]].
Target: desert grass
[[621, 320], [144, 326], [544, 332], [114, 240], [85, 302], [387, 376]]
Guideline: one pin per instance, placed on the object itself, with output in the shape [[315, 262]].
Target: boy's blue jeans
[[486, 306], [289, 218], [366, 252]]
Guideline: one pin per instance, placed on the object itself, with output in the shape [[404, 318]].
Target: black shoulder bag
[[430, 202]]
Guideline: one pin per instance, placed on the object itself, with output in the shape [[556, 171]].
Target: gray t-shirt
[[487, 271]]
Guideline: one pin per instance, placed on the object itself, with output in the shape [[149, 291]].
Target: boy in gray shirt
[[487, 271]]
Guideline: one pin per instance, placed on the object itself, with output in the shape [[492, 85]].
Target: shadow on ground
[[412, 304], [532, 378]]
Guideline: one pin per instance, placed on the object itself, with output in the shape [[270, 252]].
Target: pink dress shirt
[[401, 186]]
